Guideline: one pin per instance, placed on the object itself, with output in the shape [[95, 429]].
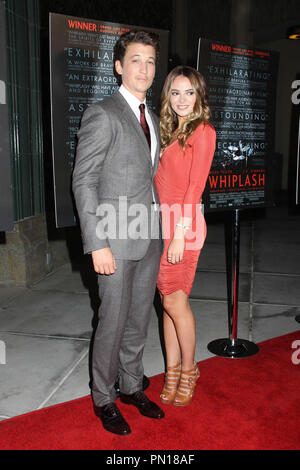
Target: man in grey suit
[[117, 156]]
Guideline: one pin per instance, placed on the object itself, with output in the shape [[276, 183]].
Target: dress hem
[[176, 290]]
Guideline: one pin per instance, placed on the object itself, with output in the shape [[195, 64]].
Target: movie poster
[[298, 167], [294, 157], [82, 72], [242, 94], [6, 201]]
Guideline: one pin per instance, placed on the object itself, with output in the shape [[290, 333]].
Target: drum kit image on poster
[[237, 156]]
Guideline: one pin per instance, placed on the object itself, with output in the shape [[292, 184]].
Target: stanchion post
[[236, 273], [233, 347]]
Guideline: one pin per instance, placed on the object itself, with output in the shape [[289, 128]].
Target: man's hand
[[104, 261]]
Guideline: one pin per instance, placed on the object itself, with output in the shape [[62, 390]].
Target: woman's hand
[[176, 247]]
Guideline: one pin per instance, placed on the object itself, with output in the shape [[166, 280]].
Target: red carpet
[[250, 403]]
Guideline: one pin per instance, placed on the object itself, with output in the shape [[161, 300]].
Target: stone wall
[[25, 256]]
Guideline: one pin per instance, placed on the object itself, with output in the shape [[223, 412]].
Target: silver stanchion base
[[241, 348], [297, 318]]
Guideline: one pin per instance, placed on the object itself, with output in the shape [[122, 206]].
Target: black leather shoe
[[144, 405], [146, 383], [112, 419]]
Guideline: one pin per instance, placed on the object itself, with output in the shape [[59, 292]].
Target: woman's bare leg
[[179, 330]]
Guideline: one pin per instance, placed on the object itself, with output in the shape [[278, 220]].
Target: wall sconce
[[293, 32]]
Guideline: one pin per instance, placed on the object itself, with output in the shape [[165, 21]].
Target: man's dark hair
[[142, 37]]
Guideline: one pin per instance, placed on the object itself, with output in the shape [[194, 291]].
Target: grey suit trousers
[[124, 314]]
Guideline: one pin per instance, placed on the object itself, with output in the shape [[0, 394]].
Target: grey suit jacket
[[113, 180]]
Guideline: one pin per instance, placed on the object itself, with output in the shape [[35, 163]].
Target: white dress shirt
[[134, 103]]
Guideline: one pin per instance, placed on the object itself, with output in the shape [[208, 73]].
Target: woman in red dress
[[188, 145]]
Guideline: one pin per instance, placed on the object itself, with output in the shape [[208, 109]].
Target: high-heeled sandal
[[169, 390], [187, 385]]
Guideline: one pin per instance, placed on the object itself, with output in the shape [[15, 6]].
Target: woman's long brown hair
[[169, 119]]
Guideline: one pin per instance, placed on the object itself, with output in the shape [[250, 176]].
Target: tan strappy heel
[[169, 390], [187, 385]]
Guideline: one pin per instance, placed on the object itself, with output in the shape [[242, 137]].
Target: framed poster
[[6, 200], [241, 85], [298, 165], [82, 72], [294, 156]]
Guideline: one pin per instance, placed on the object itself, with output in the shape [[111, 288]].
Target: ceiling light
[[294, 32]]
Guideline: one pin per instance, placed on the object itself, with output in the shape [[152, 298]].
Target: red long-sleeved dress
[[180, 180]]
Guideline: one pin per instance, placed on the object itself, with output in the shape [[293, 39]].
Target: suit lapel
[[157, 133]]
